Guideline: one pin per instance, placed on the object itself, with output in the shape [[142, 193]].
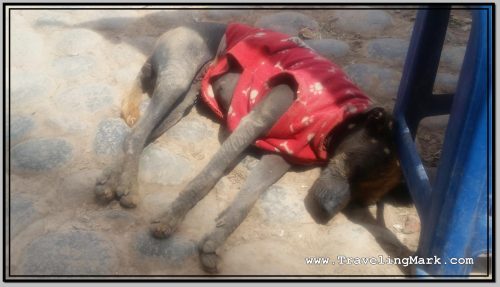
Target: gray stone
[[287, 22], [167, 19], [77, 42], [329, 48], [41, 154], [249, 162], [72, 66], [364, 22], [29, 88], [173, 250], [189, 130], [161, 166], [90, 98], [436, 123], [49, 21], [118, 220], [22, 214], [220, 15], [377, 82], [69, 253], [453, 57], [20, 126], [52, 19], [28, 49], [115, 24], [388, 49], [77, 188], [446, 83], [278, 205], [110, 136], [69, 123], [158, 200]]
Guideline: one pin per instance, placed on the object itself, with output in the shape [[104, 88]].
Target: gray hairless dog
[[362, 167]]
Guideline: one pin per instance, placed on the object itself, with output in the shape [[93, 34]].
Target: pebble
[[163, 167], [47, 20], [20, 126], [28, 90], [69, 253], [29, 50], [279, 205], [388, 49], [411, 224], [78, 188], [158, 200], [73, 66], [114, 24], [22, 214], [249, 162], [446, 83], [167, 19], [436, 123], [110, 136], [329, 48], [224, 15], [453, 57], [364, 22], [41, 154], [90, 98], [173, 250], [377, 82], [189, 130], [67, 123], [287, 22], [70, 42]]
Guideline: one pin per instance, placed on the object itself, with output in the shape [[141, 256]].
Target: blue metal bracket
[[455, 210]]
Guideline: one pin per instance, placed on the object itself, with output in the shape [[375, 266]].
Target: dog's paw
[[208, 258], [127, 189], [127, 192], [165, 226], [106, 185], [130, 200]]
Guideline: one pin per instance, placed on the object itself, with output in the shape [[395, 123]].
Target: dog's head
[[363, 164]]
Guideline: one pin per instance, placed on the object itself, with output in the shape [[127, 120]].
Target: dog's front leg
[[271, 168], [251, 127]]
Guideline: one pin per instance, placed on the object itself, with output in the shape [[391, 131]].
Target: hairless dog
[[361, 164]]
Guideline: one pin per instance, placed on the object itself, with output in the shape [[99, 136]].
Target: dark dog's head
[[363, 165]]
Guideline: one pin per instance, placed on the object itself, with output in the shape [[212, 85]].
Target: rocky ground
[[68, 71]]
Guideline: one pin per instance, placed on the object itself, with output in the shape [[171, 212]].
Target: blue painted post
[[456, 211]]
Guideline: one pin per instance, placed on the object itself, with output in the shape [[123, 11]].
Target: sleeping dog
[[270, 90]]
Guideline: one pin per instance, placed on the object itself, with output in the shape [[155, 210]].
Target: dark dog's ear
[[328, 196], [379, 123]]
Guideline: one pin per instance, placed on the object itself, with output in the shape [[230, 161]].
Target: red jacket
[[324, 97]]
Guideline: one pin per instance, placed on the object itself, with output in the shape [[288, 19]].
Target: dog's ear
[[379, 123], [328, 196]]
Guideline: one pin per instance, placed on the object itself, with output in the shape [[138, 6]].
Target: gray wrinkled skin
[[171, 77]]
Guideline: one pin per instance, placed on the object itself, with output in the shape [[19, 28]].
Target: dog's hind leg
[[179, 54], [251, 127], [179, 111], [270, 168]]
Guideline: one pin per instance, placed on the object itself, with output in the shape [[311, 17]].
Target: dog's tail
[[143, 83], [130, 104]]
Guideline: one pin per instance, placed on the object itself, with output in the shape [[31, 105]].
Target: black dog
[[361, 164]]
